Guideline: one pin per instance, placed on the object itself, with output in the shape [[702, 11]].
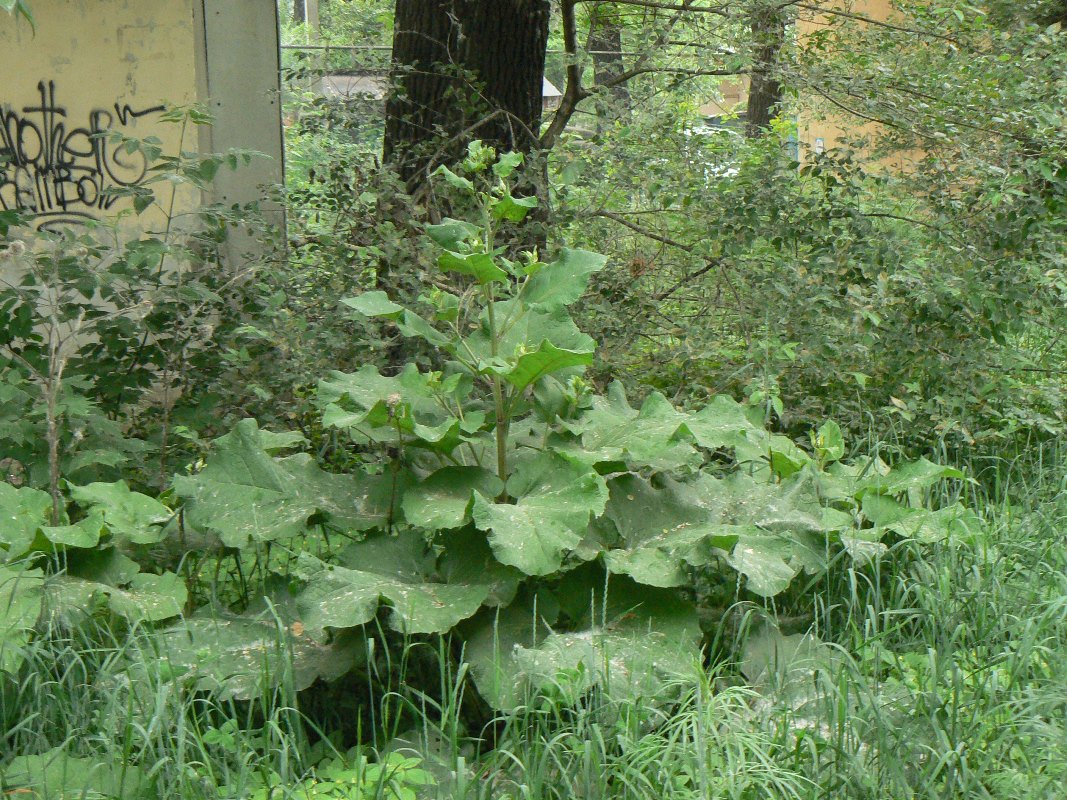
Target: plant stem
[[52, 390], [498, 401]]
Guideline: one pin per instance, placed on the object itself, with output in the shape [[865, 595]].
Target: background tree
[[768, 26], [464, 69]]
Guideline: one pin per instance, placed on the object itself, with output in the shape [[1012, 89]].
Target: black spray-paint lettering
[[60, 174]]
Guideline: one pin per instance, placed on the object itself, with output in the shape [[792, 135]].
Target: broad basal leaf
[[663, 531], [57, 776], [21, 594], [955, 523], [722, 423], [444, 499], [242, 657], [84, 534], [22, 512], [613, 431], [399, 569], [632, 645], [243, 494], [784, 665], [766, 561], [142, 597], [129, 516], [556, 498], [468, 559], [913, 476], [766, 532]]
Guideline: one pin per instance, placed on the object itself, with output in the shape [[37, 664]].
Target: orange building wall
[[826, 130]]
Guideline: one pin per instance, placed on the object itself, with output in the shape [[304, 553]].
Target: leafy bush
[[558, 532], [840, 289]]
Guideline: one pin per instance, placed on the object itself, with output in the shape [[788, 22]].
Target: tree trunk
[[765, 93], [605, 47], [463, 70], [300, 13]]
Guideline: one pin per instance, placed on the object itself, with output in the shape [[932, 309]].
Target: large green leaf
[[663, 531], [140, 597], [407, 404], [57, 776], [633, 644], [22, 512], [244, 494], [955, 523], [129, 516], [722, 423], [523, 330], [556, 498], [468, 559], [562, 282], [545, 360], [910, 477], [374, 304], [445, 498], [480, 266], [378, 304], [767, 562], [400, 569], [243, 656], [21, 594], [654, 436], [490, 640], [786, 665], [85, 533], [767, 532], [453, 234], [513, 209]]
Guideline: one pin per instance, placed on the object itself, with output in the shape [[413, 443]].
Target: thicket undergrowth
[[437, 540]]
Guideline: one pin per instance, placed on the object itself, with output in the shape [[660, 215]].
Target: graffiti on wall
[[62, 173]]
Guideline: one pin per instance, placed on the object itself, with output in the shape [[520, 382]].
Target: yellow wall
[[828, 129], [90, 66]]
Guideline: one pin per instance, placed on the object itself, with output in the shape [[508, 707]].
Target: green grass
[[942, 674]]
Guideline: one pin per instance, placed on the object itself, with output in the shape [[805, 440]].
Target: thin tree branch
[[574, 92]]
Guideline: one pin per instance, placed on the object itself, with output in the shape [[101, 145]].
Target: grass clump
[[942, 673]]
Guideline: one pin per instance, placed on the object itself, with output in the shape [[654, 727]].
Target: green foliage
[[353, 777], [906, 283], [103, 332], [550, 526], [106, 522], [57, 775]]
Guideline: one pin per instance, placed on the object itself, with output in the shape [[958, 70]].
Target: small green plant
[[352, 776]]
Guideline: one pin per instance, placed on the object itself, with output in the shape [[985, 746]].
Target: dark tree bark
[[300, 12], [605, 47], [463, 70], [768, 24]]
